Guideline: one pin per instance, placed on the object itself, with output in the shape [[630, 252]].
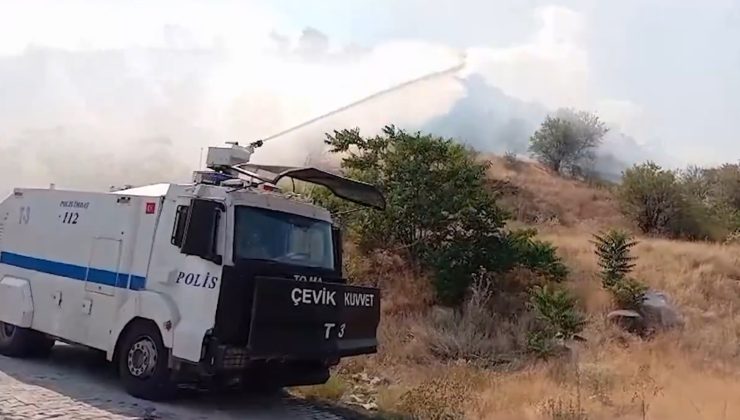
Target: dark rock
[[656, 313]]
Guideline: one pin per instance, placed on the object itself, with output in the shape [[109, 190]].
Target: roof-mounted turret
[[226, 164], [223, 159]]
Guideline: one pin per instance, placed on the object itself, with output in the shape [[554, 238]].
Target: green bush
[[557, 318], [723, 195], [628, 293], [539, 256], [613, 251], [696, 204], [651, 197], [724, 185], [440, 209]]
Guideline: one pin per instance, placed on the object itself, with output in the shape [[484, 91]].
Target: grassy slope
[[689, 374]]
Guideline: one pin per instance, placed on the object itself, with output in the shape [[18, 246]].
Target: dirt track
[[75, 383]]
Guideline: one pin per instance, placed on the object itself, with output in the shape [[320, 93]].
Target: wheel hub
[[142, 358]]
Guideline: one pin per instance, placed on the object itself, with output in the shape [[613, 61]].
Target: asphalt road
[[76, 383]]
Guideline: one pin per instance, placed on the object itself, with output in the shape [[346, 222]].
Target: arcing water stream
[[428, 76]]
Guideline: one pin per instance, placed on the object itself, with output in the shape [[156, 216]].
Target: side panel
[[16, 303], [48, 240], [80, 254]]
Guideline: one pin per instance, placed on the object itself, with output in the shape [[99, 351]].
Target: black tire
[[42, 345], [143, 363], [23, 342]]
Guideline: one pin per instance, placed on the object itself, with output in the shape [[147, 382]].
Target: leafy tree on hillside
[[717, 191], [651, 196], [566, 141], [695, 181], [724, 185], [440, 208], [677, 204]]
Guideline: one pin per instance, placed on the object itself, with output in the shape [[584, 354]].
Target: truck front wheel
[[23, 342], [143, 364]]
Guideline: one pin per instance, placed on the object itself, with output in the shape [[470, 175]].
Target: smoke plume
[[143, 111]]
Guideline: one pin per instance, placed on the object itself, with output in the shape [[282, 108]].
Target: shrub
[[511, 161], [724, 185], [440, 209], [723, 195], [475, 332], [651, 197], [628, 293], [536, 255], [689, 204], [556, 308], [557, 318], [613, 250]]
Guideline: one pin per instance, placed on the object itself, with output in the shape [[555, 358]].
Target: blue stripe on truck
[[75, 272]]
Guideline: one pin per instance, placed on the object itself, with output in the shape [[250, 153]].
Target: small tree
[[681, 204], [557, 318], [651, 197], [566, 141], [613, 250], [725, 184], [696, 183]]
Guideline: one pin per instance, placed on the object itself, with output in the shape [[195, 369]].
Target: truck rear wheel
[[23, 342], [143, 364]]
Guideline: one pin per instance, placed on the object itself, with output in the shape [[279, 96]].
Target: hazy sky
[[110, 74], [669, 70]]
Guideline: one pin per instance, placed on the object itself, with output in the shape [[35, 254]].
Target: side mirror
[[201, 230], [336, 235]]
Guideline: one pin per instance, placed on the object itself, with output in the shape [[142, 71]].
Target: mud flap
[[303, 320]]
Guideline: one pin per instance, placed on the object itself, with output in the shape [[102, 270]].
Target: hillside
[[535, 195], [691, 373]]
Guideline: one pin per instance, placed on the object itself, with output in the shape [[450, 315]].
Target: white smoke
[[100, 94], [90, 119]]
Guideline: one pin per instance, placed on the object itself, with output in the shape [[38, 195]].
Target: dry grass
[[536, 195], [702, 279], [688, 374], [333, 390], [405, 291], [643, 381], [693, 373]]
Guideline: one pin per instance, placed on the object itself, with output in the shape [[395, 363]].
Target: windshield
[[282, 237]]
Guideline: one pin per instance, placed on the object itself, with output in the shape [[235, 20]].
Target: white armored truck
[[224, 280]]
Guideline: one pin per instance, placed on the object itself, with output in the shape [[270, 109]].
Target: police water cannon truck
[[225, 280]]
